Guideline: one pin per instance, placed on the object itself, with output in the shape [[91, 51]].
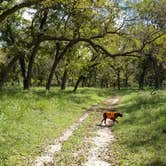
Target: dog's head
[[119, 114]]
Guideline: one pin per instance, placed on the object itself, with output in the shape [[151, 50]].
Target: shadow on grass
[[142, 129], [156, 162]]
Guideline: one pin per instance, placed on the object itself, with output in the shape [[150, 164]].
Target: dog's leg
[[101, 121], [105, 121]]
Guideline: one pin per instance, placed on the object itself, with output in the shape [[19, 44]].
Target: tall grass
[[142, 132], [31, 119]]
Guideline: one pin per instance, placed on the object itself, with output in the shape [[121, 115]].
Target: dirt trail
[[98, 153], [47, 158], [101, 141]]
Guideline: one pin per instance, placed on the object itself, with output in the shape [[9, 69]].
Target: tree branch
[[98, 47], [107, 32], [17, 7]]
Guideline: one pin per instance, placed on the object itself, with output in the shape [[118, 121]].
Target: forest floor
[[96, 140], [62, 128]]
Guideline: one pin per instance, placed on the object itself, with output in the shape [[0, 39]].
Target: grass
[[141, 133], [29, 120], [75, 150]]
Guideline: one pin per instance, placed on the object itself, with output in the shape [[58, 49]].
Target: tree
[[7, 12], [112, 30]]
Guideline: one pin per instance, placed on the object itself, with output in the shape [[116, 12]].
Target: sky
[[28, 13]]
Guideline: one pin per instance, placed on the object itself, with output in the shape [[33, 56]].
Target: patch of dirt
[[47, 157], [97, 155]]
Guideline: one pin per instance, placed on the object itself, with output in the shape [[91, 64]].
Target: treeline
[[89, 44]]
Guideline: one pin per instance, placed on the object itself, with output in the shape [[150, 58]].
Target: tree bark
[[84, 82], [58, 57], [17, 7], [23, 69], [6, 69], [56, 61], [156, 73], [118, 78], [57, 75], [64, 79], [77, 83], [143, 73], [27, 81]]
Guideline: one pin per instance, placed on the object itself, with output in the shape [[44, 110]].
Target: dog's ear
[[119, 114]]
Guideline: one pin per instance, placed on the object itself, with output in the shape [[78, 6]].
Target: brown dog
[[111, 115]]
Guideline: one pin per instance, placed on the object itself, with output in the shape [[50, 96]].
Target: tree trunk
[[23, 69], [64, 79], [56, 61], [27, 81], [126, 79], [57, 78], [77, 83], [156, 73], [6, 69], [162, 77], [141, 78], [84, 81], [118, 79], [143, 73], [102, 83]]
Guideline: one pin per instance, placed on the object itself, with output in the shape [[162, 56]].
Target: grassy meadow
[[141, 133], [30, 120]]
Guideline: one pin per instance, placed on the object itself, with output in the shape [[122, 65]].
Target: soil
[[97, 155]]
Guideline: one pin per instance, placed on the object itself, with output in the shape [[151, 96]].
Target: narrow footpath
[[97, 153]]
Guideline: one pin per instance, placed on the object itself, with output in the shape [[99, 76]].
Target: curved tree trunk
[[27, 81], [15, 8], [56, 61], [77, 83]]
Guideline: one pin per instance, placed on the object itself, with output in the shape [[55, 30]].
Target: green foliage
[[114, 27]]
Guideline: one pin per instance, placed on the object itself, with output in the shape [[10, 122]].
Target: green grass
[[29, 120], [75, 150], [141, 133]]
